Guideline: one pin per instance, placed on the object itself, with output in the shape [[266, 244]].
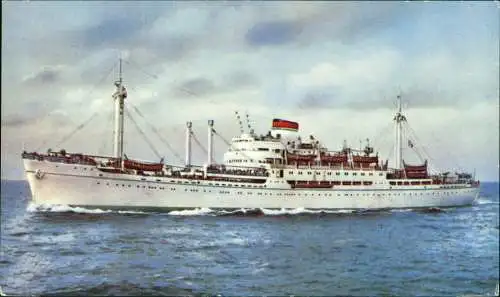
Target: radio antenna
[[238, 120], [248, 124]]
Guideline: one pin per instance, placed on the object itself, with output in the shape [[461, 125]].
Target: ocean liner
[[268, 171]]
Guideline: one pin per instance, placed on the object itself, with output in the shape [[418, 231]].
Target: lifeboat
[[416, 171], [364, 159], [416, 174], [334, 158], [135, 165], [79, 158], [88, 160], [313, 185], [297, 157], [415, 167]]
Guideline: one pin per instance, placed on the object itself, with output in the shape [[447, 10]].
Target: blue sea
[[59, 250]]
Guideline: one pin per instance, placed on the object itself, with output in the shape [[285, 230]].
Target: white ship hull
[[80, 185]]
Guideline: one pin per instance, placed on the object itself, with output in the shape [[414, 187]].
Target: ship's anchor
[[39, 174]]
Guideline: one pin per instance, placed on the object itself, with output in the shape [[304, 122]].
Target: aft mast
[[399, 118], [210, 153], [119, 97]]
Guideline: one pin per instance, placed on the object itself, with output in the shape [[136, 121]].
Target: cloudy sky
[[335, 67]]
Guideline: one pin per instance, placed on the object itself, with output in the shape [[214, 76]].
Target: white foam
[[260, 268], [482, 201], [32, 207], [191, 212], [402, 210], [302, 211]]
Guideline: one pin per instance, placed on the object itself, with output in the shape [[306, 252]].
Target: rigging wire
[[230, 145], [154, 76], [434, 163], [198, 142], [151, 146], [450, 154], [73, 132], [141, 69], [391, 153], [378, 141], [65, 138], [132, 63], [102, 148], [157, 133]]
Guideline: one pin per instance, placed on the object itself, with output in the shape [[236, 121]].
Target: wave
[[32, 207], [47, 208], [255, 212], [192, 212], [482, 201], [298, 211]]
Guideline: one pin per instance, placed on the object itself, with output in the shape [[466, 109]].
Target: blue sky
[[334, 66]]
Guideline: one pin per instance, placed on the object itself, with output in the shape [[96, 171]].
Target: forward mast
[[119, 97]]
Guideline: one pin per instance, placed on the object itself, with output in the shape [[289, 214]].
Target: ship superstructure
[[258, 171]]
